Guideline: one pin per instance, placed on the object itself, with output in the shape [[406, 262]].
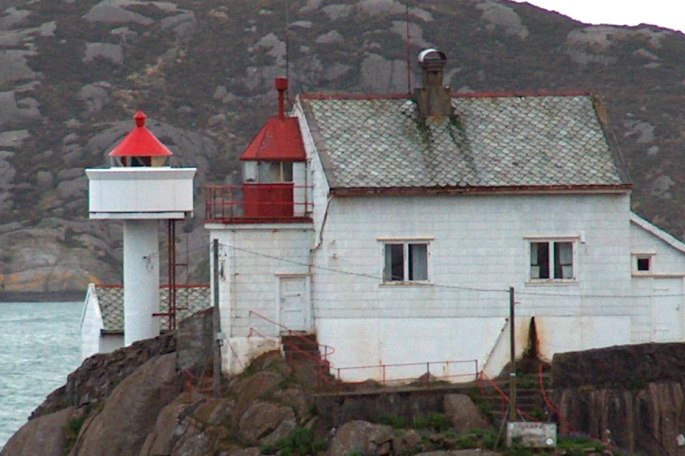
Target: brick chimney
[[433, 99]]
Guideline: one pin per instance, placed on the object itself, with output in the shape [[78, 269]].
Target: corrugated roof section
[[489, 142], [189, 300]]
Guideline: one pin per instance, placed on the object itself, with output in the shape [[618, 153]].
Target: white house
[[102, 321], [393, 227]]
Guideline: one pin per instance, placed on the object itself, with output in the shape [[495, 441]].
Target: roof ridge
[[497, 94]]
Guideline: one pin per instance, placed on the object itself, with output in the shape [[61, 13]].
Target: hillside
[[72, 74]]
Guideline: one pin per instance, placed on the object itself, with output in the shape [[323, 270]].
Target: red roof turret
[[280, 138], [141, 142]]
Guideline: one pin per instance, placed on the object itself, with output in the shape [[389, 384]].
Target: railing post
[[216, 323]]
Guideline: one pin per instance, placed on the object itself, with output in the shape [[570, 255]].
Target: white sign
[[535, 435]]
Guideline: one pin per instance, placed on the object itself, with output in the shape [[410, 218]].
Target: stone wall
[[633, 395], [627, 366], [338, 408]]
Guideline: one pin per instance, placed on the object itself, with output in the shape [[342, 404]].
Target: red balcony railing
[[281, 202]]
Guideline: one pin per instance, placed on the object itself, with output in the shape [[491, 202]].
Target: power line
[[521, 292], [356, 274]]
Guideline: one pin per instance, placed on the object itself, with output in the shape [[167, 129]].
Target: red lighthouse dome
[[140, 147]]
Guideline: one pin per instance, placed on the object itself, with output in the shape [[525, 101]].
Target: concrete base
[[238, 352]]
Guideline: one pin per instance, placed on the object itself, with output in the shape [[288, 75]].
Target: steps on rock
[[300, 346], [529, 398], [302, 353]]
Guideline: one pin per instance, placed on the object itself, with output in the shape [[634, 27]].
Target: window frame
[[635, 257], [273, 172], [550, 241], [406, 243]]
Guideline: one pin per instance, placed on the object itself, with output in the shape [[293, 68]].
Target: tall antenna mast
[[408, 54], [287, 40]]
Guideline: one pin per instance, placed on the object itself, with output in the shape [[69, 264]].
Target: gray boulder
[[361, 437], [266, 422], [44, 436], [476, 452], [463, 413]]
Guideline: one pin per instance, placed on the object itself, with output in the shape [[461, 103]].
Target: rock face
[[194, 335], [129, 413], [139, 401], [44, 436], [73, 73], [633, 395], [148, 399], [644, 421], [99, 375]]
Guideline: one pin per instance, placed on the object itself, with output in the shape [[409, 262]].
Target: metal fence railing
[[278, 201]]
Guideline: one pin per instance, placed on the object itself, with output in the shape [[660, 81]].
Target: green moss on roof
[[498, 141]]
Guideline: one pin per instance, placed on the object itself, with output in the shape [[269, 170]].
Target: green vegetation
[[75, 423], [71, 431], [438, 422], [396, 422], [300, 442]]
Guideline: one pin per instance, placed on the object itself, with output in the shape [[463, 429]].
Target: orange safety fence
[[570, 427]]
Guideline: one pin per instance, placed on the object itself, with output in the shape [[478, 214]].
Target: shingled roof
[[490, 142], [189, 299]]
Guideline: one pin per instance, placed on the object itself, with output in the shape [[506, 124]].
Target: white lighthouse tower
[[140, 189]]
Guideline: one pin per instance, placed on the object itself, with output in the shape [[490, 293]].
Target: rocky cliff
[[633, 396], [72, 73], [155, 398]]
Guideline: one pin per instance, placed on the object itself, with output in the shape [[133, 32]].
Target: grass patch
[[71, 430], [439, 422], [300, 443], [395, 422]]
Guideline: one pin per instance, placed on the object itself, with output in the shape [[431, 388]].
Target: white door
[[666, 300], [293, 303]]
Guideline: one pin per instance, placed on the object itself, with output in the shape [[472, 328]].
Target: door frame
[[307, 302], [669, 311]]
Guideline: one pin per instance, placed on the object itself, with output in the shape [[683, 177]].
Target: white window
[[274, 172], [405, 261], [552, 260]]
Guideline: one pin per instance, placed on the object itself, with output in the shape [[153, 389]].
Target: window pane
[[563, 260], [287, 172], [263, 172], [275, 172], [394, 263], [539, 260], [643, 264], [418, 262]]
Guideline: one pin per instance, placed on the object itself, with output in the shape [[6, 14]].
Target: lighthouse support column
[[141, 280]]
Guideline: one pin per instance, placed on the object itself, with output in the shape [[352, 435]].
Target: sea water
[[39, 347]]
